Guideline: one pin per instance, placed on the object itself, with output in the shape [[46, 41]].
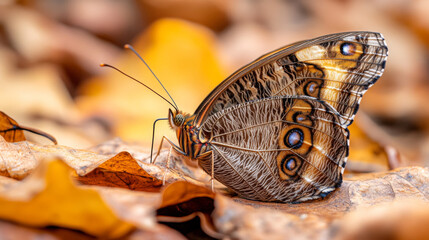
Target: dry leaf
[[135, 207], [5, 182], [19, 159], [245, 222], [163, 169], [10, 230], [183, 202], [11, 131], [122, 171], [6, 126], [39, 89], [15, 231], [160, 232], [362, 190], [313, 220], [175, 169], [212, 13], [365, 154], [180, 192], [406, 219], [50, 198], [172, 170], [55, 41]]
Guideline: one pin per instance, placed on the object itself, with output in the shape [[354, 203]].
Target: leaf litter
[[132, 190]]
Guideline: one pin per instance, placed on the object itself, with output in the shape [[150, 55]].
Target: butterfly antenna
[[138, 55], [110, 66]]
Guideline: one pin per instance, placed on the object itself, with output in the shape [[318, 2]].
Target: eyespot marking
[[294, 138], [348, 49], [312, 88], [290, 165]]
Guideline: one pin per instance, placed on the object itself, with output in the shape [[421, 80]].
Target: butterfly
[[276, 129]]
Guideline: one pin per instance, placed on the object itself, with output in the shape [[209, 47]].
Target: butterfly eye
[[348, 49], [178, 120]]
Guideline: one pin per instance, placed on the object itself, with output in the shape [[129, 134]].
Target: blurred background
[[50, 53]]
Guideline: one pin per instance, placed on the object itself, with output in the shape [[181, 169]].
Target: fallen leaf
[[122, 171], [212, 13], [159, 232], [20, 158], [10, 230], [49, 197], [238, 221], [15, 159], [116, 21], [135, 207], [171, 168], [176, 168], [180, 192], [117, 145], [406, 219], [5, 182], [164, 169], [343, 213], [9, 129], [185, 206], [361, 190], [365, 154], [55, 41], [182, 202]]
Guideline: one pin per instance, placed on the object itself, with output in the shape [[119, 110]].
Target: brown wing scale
[[277, 128], [278, 149], [336, 68]]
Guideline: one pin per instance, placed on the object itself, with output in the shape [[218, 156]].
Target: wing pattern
[[337, 69], [277, 128], [278, 149]]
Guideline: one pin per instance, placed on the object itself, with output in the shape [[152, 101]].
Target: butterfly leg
[[212, 173], [166, 166], [176, 148], [172, 147]]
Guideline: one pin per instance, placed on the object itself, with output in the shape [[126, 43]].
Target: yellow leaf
[[366, 154], [181, 191], [181, 54], [49, 197]]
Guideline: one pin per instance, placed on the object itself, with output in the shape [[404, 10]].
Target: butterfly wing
[[278, 149], [336, 69]]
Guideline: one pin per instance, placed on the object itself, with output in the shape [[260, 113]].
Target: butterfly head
[[177, 118]]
